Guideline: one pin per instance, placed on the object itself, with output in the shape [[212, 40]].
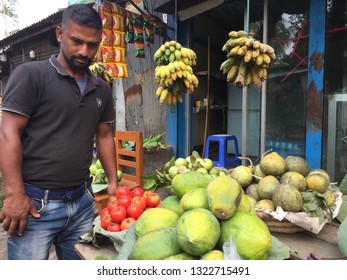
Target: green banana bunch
[[247, 59], [174, 73]]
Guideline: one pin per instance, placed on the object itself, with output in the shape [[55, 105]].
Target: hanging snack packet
[[149, 31], [129, 32], [138, 35], [159, 26]]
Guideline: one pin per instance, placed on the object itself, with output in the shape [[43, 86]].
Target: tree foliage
[[8, 8]]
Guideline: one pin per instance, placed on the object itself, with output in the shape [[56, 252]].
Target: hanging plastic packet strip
[[139, 42], [159, 26], [107, 37], [149, 31], [129, 28], [107, 54]]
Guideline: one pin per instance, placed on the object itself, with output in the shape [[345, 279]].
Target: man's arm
[[17, 205], [106, 152]]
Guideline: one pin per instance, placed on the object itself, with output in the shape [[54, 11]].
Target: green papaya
[[171, 202], [213, 255], [342, 237], [155, 218], [184, 182], [195, 198], [224, 195], [156, 245], [197, 231], [181, 257], [249, 233]]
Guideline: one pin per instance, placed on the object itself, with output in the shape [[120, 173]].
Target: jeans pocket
[[39, 205], [89, 190]]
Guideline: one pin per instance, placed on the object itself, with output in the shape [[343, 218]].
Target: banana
[[248, 78], [242, 33], [248, 55], [269, 49], [256, 44], [255, 53], [179, 73], [178, 46], [255, 77], [233, 34], [249, 42], [242, 51], [177, 54], [266, 58], [171, 67], [272, 55], [159, 91], [179, 96], [157, 54], [172, 57], [259, 60], [232, 73], [227, 63], [263, 48], [234, 50], [174, 76], [163, 96]]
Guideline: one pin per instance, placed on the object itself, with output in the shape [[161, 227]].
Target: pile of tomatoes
[[126, 207]]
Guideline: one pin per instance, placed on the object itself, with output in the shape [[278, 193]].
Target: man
[[51, 113]]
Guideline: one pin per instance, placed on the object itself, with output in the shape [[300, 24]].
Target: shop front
[[299, 110]]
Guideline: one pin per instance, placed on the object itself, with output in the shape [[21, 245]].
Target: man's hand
[[112, 187], [15, 212]]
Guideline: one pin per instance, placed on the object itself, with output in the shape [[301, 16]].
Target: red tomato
[[112, 202], [118, 214], [146, 193], [114, 227], [105, 221], [137, 192], [139, 200], [126, 223], [112, 199], [123, 191], [152, 199], [104, 212], [134, 210], [124, 200]]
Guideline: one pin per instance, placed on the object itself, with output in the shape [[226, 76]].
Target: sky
[[29, 12]]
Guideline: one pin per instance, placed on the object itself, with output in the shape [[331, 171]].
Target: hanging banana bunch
[[99, 69], [247, 59], [174, 74]]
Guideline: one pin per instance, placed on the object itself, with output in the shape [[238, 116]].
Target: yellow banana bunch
[[247, 59], [174, 73], [99, 70]]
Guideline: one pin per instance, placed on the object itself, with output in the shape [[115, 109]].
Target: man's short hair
[[82, 14]]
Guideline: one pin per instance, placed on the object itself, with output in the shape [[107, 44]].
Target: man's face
[[79, 44]]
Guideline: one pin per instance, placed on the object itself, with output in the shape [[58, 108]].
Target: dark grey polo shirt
[[58, 140]]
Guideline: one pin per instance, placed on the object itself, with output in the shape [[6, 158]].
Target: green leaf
[[149, 183], [342, 215], [279, 250]]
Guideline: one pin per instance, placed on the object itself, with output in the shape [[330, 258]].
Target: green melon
[[197, 231], [273, 164], [287, 197], [295, 179], [267, 186]]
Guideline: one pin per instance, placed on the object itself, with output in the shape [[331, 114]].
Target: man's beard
[[76, 66]]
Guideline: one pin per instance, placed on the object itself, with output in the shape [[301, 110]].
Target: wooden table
[[301, 244]]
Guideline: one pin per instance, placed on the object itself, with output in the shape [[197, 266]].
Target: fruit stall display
[[210, 211]]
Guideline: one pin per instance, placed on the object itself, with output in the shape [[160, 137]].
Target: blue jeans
[[61, 223]]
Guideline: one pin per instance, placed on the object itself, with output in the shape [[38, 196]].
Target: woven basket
[[283, 226]]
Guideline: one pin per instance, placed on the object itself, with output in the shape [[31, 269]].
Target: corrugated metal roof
[[34, 29]]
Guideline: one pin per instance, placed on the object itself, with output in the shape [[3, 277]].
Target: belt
[[62, 194]]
